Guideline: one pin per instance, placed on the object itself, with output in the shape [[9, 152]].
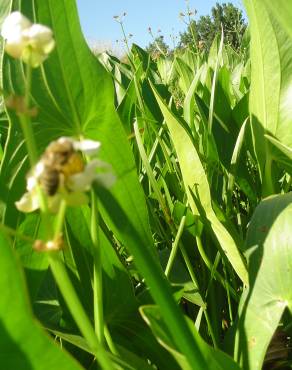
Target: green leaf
[[282, 11], [281, 153], [118, 293], [131, 362], [196, 182], [24, 345], [271, 84], [269, 251], [185, 74], [215, 359]]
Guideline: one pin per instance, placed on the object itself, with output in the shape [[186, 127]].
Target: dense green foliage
[[194, 237], [157, 46], [200, 33], [223, 16]]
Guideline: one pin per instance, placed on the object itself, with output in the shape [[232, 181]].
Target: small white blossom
[[23, 40], [72, 188], [12, 31]]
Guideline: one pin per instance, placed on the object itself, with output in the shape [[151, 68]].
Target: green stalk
[[60, 219], [175, 246], [191, 28], [25, 122], [9, 231], [28, 134], [77, 311], [150, 174], [109, 341], [268, 185], [210, 267], [26, 127], [97, 270]]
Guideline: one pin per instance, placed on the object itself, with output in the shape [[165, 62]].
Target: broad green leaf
[[166, 69], [128, 360], [24, 345], [271, 84], [215, 359], [189, 99], [34, 263], [269, 252], [185, 74], [281, 153], [196, 182], [282, 11]]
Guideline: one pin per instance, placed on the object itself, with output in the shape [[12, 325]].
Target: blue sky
[[98, 24]]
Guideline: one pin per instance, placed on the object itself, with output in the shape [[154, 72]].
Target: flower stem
[[26, 123], [60, 219], [29, 138], [26, 127], [97, 273], [77, 311]]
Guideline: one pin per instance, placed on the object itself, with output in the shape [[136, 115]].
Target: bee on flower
[[63, 174], [30, 42]]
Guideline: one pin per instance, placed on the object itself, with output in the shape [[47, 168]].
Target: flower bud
[[30, 42]]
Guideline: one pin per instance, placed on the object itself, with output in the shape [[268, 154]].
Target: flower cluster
[[24, 40], [62, 174]]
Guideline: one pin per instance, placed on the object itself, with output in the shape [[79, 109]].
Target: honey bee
[[60, 160]]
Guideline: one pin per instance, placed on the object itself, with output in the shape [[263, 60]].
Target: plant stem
[[26, 127], [25, 121], [151, 177], [175, 246], [218, 276], [60, 219], [268, 185], [110, 342], [29, 139], [9, 231], [97, 272], [77, 311]]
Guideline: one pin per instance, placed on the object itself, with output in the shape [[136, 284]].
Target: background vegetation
[[195, 234]]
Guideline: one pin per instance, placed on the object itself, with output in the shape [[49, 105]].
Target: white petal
[[31, 183], [39, 33], [39, 169], [105, 179], [14, 23], [28, 203], [83, 180], [89, 147], [40, 38], [15, 47], [64, 139]]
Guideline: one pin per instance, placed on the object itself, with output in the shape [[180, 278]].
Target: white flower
[[30, 42], [73, 180], [39, 45], [12, 31]]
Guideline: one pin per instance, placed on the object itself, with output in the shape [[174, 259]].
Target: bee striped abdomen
[[50, 181]]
